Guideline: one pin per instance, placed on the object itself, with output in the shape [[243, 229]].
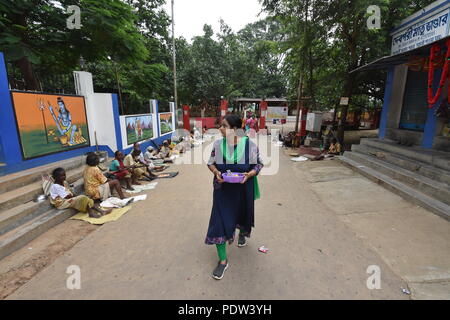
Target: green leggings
[[222, 251]]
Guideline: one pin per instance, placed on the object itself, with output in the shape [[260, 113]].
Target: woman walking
[[233, 204]]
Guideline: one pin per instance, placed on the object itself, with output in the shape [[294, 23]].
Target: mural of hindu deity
[[50, 123], [69, 135]]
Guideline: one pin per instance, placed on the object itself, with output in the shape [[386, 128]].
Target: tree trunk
[[299, 96], [23, 63], [350, 80], [27, 72], [348, 88]]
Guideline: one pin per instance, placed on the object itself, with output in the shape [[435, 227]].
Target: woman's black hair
[[91, 159], [234, 121], [57, 172], [116, 153]]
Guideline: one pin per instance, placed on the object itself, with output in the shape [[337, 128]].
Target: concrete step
[[436, 158], [21, 214], [422, 168], [29, 176], [19, 237], [434, 189], [405, 191], [29, 192], [12, 218]]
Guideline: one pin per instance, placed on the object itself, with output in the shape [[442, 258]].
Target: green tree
[[330, 38], [34, 34]]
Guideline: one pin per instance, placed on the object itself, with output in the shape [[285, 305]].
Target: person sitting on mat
[[96, 185], [172, 144], [165, 152], [150, 157], [335, 147], [138, 170], [333, 150], [150, 166], [63, 197], [118, 169]]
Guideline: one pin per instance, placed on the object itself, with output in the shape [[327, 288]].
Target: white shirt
[[57, 190]]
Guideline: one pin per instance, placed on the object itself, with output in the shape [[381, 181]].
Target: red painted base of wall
[[208, 122]]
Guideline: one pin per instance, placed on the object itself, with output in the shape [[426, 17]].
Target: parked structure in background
[[412, 154], [406, 116]]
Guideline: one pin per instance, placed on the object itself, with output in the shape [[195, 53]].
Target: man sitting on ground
[[335, 147], [334, 150], [138, 170], [165, 150], [149, 158]]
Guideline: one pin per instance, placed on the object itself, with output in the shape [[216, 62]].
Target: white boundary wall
[[99, 111]]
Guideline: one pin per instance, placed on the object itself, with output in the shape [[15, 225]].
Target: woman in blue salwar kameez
[[233, 203]]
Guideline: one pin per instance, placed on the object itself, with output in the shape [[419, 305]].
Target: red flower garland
[[435, 51]]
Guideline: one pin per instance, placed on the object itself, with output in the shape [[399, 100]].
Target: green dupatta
[[238, 153]]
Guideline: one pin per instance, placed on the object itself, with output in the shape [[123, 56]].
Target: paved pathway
[[156, 250]]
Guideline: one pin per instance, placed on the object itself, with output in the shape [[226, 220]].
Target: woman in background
[[62, 197], [118, 169], [96, 185]]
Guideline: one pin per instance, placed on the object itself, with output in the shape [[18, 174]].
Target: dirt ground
[[19, 267]]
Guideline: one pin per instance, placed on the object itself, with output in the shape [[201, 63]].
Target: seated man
[[165, 153], [151, 154], [334, 150], [172, 144], [138, 170], [149, 158], [335, 147], [62, 197], [181, 147], [165, 150]]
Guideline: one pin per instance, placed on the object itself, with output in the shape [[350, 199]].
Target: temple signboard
[[426, 31]]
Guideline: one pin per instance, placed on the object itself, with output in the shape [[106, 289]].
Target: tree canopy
[[304, 48]]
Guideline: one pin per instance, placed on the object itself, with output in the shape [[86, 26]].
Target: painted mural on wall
[[50, 123], [166, 122], [139, 128]]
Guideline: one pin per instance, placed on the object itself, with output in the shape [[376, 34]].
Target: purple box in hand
[[233, 177]]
